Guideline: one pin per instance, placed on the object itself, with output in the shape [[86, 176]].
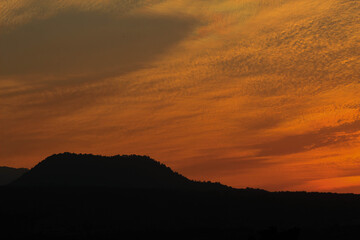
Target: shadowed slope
[[7, 174], [128, 171]]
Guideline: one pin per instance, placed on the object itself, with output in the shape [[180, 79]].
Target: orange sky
[[251, 93]]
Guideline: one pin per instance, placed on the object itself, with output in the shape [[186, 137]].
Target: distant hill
[[142, 198], [127, 171], [8, 175]]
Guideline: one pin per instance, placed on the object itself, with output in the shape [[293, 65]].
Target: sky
[[249, 93]]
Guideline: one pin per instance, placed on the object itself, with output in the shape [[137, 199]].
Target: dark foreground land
[[117, 213], [83, 196]]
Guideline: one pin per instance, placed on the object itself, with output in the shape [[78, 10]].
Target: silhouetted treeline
[[112, 213], [127, 171], [60, 199]]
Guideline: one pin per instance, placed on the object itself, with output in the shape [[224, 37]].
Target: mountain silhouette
[[84, 196], [127, 171], [8, 174]]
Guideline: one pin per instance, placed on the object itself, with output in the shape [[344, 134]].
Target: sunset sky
[[251, 93]]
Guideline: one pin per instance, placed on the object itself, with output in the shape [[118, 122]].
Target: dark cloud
[[307, 141], [77, 42], [210, 165]]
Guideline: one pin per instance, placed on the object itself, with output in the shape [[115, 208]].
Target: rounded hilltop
[[126, 171]]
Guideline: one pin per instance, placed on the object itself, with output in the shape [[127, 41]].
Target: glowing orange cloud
[[251, 93]]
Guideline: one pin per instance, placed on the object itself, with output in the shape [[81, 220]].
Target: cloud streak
[[250, 92], [326, 136]]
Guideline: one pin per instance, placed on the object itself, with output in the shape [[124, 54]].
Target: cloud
[[349, 184], [209, 166], [76, 42], [248, 91], [323, 137], [19, 12]]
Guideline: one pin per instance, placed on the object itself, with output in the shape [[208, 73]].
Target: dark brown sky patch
[[75, 42]]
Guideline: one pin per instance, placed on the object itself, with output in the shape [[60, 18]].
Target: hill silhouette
[[127, 171], [84, 196], [8, 174]]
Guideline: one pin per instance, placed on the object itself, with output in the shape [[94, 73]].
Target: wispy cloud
[[326, 136], [246, 91]]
